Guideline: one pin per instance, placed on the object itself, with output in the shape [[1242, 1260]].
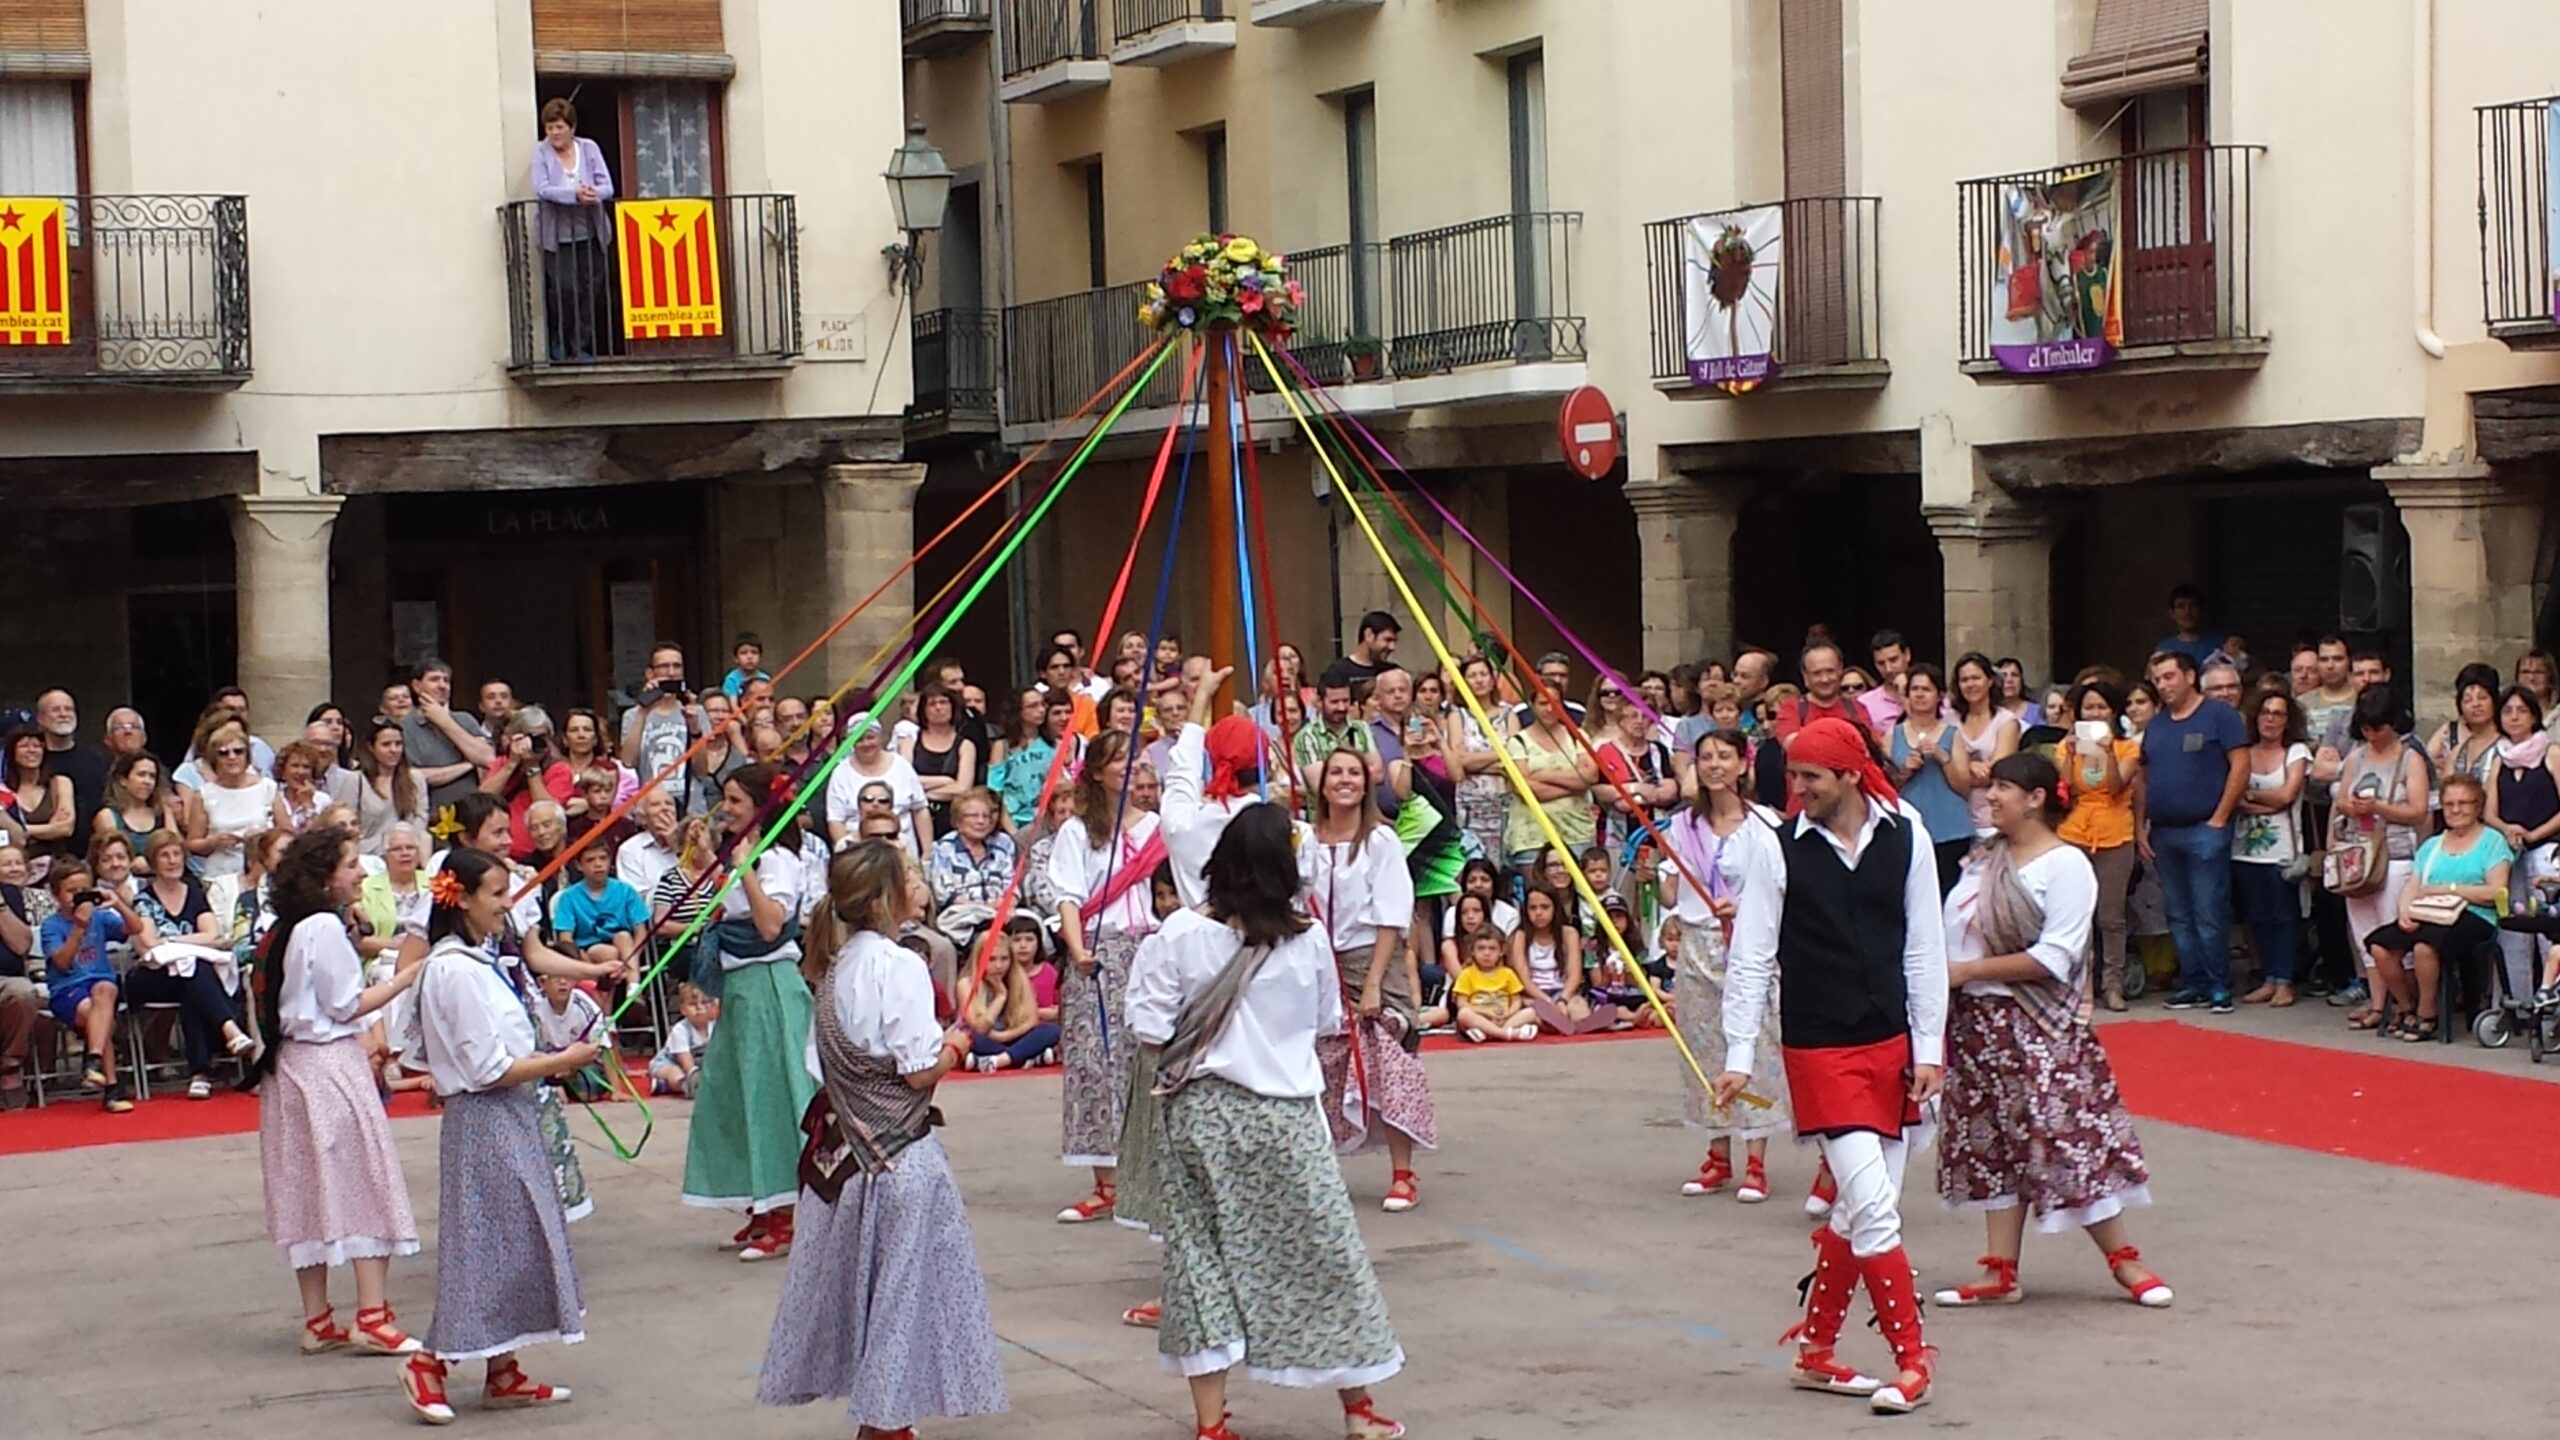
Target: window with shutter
[[635, 38], [44, 38], [2137, 47], [1813, 319]]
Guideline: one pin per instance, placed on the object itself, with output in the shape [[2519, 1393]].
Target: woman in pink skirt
[[1356, 881], [334, 1190]]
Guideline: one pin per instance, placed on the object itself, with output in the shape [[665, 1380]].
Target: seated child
[[679, 1059], [601, 915], [1008, 1026], [1609, 980], [566, 1017], [1487, 994]]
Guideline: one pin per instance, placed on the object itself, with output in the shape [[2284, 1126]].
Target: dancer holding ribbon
[[1099, 866], [1842, 915], [2033, 1120]]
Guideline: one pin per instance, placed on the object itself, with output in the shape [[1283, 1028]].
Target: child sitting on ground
[[1487, 994], [1001, 1010], [679, 1058], [569, 1016]]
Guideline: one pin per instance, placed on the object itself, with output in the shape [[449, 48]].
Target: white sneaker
[[1525, 1032]]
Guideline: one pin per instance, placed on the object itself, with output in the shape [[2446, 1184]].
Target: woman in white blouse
[[1235, 995], [743, 1152], [335, 1195], [504, 1275], [2032, 1117], [1098, 867], [884, 1303], [1358, 884]]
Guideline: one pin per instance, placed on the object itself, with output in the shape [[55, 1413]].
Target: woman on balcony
[[575, 230]]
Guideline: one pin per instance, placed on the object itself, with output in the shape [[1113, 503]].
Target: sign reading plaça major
[[1729, 266], [2055, 301]]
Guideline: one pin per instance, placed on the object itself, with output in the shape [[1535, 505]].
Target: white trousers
[[1868, 1169]]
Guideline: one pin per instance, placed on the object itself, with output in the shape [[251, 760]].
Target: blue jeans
[[2194, 863], [1043, 1036], [2273, 907]]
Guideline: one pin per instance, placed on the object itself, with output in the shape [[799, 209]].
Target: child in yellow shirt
[[1487, 993]]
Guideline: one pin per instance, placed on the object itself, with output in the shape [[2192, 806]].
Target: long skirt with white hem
[[1697, 993], [2034, 1119], [743, 1152], [504, 1275], [1373, 1084], [1141, 1148], [566, 1172], [884, 1303], [1263, 1261], [1093, 1051], [334, 1188]]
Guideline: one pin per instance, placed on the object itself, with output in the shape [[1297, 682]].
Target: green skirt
[[754, 1086], [1141, 1146]]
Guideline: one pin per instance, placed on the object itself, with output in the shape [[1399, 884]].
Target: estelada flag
[[670, 268], [35, 273]]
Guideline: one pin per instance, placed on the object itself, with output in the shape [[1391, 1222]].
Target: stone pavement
[[1554, 1282]]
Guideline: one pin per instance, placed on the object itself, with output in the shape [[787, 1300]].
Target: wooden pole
[[1226, 586]]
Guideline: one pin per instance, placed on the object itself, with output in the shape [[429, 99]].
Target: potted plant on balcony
[[1367, 356]]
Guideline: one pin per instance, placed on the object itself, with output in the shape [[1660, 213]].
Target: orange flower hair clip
[[446, 890]]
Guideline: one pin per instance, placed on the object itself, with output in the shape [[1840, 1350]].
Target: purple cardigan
[[558, 189]]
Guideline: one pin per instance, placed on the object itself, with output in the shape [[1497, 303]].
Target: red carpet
[[2381, 1107]]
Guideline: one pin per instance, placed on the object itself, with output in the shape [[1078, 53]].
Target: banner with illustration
[[670, 268], [2056, 300], [1730, 265], [35, 272]]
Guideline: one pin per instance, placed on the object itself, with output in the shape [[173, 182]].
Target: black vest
[[1840, 939]]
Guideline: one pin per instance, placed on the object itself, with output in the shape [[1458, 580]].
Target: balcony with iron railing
[[1785, 295], [1342, 327], [944, 27], [2519, 273], [957, 355], [1168, 32], [736, 274], [155, 290], [2139, 263], [1497, 291], [1292, 14], [1058, 352], [1053, 50]]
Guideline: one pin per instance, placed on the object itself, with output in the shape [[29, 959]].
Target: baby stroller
[[2515, 1014]]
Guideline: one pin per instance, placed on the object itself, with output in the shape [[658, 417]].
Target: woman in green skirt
[[744, 1150], [1263, 1262]]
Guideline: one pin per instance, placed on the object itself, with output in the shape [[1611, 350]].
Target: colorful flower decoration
[[446, 890], [1224, 281]]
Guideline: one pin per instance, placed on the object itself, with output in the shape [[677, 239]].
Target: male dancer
[[1843, 912]]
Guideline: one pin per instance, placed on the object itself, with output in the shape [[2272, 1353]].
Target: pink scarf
[[2526, 753]]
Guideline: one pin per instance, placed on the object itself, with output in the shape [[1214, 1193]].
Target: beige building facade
[[330, 403], [2320, 390]]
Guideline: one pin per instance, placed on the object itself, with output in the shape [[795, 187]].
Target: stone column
[[2473, 533], [1684, 546], [1998, 561], [870, 533], [280, 547]]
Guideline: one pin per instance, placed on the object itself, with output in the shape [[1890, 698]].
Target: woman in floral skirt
[[1099, 867], [2032, 1118]]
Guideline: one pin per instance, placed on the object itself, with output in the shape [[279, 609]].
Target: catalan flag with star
[[35, 273], [670, 269]]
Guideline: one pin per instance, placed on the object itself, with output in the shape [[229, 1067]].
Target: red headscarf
[[1235, 753], [1835, 744]]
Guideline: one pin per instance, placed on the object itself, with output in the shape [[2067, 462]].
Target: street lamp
[[919, 191]]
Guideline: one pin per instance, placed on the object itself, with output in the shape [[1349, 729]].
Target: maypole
[[1226, 586]]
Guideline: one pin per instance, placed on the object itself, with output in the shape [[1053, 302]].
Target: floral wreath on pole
[[1226, 281]]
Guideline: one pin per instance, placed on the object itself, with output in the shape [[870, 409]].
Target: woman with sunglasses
[[235, 803]]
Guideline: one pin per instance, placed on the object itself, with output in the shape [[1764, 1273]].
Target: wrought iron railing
[[1493, 291], [565, 301], [2519, 279], [2179, 244], [1343, 325], [1822, 303], [1044, 32], [1133, 18], [158, 289], [916, 14], [956, 363], [1059, 352]]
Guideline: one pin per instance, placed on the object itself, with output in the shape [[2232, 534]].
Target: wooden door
[[2166, 223]]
